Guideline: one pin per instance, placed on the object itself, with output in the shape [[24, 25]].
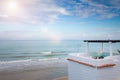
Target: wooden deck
[[90, 65]]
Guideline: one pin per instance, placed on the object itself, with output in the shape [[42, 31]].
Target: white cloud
[[115, 3], [33, 11], [100, 9]]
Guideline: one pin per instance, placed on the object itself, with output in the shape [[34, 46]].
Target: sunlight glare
[[55, 39], [12, 5]]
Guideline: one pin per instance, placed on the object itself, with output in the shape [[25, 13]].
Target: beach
[[39, 70], [38, 60], [35, 60]]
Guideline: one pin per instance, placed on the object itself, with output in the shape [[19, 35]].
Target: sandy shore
[[52, 71], [62, 78]]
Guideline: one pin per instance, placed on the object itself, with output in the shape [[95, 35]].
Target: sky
[[59, 19]]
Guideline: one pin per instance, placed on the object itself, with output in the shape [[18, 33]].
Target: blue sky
[[59, 19]]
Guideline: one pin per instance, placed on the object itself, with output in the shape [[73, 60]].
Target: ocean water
[[21, 54], [15, 55], [24, 50]]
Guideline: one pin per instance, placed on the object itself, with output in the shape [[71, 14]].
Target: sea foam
[[25, 64]]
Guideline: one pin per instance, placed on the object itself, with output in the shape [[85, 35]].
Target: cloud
[[48, 11], [100, 9], [31, 11]]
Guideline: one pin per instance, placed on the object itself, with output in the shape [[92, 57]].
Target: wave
[[21, 64], [22, 56], [41, 52], [32, 55], [47, 53], [17, 61]]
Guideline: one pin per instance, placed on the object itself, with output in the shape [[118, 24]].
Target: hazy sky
[[59, 19]]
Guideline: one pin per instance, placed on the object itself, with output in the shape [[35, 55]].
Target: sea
[[40, 49], [20, 51]]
